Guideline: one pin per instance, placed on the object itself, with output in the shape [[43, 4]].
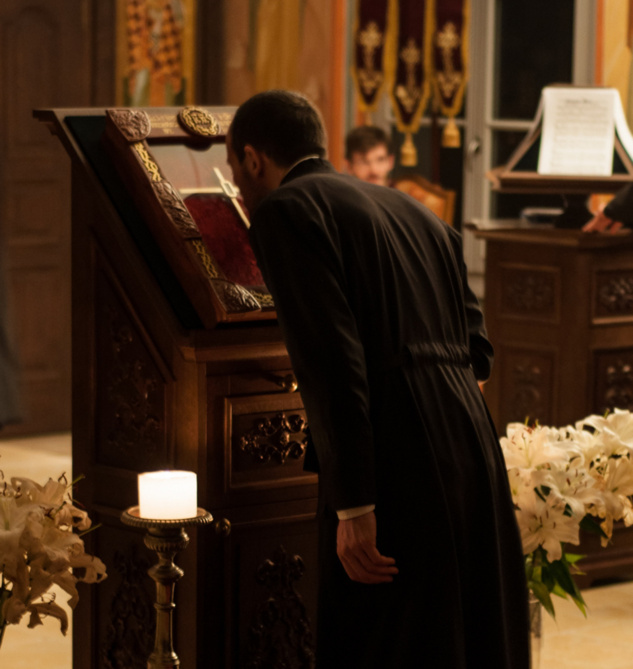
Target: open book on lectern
[[579, 142]]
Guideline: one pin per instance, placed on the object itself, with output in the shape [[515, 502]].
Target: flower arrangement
[[563, 480], [38, 548]]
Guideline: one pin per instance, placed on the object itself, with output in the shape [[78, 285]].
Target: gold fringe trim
[[408, 152]]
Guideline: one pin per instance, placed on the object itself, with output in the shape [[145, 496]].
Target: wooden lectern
[[178, 362], [589, 150], [559, 313]]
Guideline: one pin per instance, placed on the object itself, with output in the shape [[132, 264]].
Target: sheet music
[[622, 127], [578, 131]]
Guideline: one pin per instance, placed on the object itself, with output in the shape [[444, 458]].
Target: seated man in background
[[368, 154]]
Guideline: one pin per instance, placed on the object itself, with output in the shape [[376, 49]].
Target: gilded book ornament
[[148, 163], [199, 122]]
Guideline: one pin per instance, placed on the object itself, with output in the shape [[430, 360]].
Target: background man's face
[[373, 166]]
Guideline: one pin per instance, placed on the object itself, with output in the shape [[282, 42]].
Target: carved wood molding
[[131, 389], [235, 298], [130, 630], [527, 398], [172, 203], [614, 386], [135, 126], [280, 634], [271, 439], [614, 294], [526, 385], [529, 292]]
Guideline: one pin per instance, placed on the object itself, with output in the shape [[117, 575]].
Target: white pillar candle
[[168, 495]]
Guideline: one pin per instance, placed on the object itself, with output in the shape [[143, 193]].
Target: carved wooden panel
[[129, 634], [266, 440], [613, 295], [131, 389], [269, 643], [124, 606], [529, 292], [274, 577], [614, 380], [526, 385]]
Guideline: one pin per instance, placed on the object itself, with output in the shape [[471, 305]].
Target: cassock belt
[[428, 353]]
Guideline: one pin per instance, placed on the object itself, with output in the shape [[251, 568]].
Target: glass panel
[[509, 205], [191, 166], [534, 47]]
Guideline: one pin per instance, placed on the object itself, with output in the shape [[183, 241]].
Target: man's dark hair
[[364, 138], [282, 124]]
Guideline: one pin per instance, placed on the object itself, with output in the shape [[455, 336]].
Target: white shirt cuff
[[348, 514]]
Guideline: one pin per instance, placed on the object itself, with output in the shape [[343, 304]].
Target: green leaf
[[560, 573], [572, 558], [540, 591], [591, 525]]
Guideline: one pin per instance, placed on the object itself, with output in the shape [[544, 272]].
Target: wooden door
[[45, 62]]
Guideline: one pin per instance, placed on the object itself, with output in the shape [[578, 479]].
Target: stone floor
[[604, 640], [38, 458]]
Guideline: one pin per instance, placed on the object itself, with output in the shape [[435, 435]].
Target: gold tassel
[[408, 153], [451, 138], [368, 119]]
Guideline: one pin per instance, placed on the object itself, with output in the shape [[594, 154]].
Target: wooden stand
[[559, 312], [155, 388]]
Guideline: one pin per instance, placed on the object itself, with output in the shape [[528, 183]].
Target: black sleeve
[[481, 350], [302, 269], [621, 207]]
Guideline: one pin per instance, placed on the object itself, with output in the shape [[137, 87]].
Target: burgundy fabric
[[226, 238]]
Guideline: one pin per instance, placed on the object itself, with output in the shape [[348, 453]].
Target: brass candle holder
[[166, 538]]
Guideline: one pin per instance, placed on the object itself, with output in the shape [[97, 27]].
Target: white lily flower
[[544, 523], [38, 548]]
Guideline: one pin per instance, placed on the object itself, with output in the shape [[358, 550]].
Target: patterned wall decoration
[[155, 52], [530, 292]]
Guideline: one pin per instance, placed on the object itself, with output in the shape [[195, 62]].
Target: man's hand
[[356, 548], [602, 223]]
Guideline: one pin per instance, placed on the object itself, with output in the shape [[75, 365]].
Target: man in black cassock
[[387, 342]]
